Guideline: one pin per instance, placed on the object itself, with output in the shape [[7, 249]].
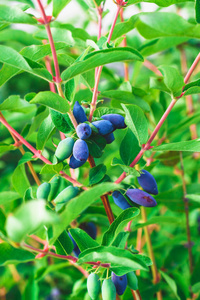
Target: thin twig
[[124, 44]]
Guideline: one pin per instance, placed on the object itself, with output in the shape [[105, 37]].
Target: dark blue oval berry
[[104, 127], [91, 229], [140, 197], [120, 283], [148, 182], [79, 113], [76, 249], [74, 163], [109, 138], [80, 150], [84, 131], [116, 120], [120, 200]]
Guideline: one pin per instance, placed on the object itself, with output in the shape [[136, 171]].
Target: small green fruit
[[108, 290], [55, 183], [93, 285], [132, 281], [66, 195], [64, 149], [43, 191]]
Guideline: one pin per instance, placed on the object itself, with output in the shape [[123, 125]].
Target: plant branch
[[186, 206], [98, 75], [152, 67], [37, 153], [124, 44]]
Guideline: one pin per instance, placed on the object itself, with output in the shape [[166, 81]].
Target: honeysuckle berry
[[83, 131], [79, 113], [80, 150], [120, 283], [108, 290], [132, 280], [76, 249], [148, 182], [109, 138], [141, 198], [120, 200], [93, 285], [43, 191], [74, 163], [104, 127], [116, 119], [91, 229], [67, 194], [64, 149]]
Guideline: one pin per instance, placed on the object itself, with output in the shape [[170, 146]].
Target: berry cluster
[[137, 196], [78, 150], [110, 286]]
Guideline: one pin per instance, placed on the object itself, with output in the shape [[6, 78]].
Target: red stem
[[191, 70], [124, 44], [37, 153]]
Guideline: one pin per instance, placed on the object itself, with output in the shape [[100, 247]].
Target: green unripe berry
[[66, 195], [55, 183], [132, 281], [108, 290], [43, 191], [64, 149], [93, 285]]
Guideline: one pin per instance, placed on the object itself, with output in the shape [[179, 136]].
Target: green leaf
[[163, 3], [28, 218], [94, 149], [193, 197], [114, 256], [19, 180], [129, 147], [158, 220], [83, 240], [13, 58], [99, 58], [9, 196], [124, 27], [52, 100], [137, 122], [58, 5], [197, 10], [171, 283], [172, 79], [44, 133], [31, 291], [14, 14], [25, 158], [70, 90], [120, 240], [75, 206], [7, 72], [52, 169], [127, 169], [15, 104], [96, 174], [118, 225], [6, 148], [191, 146], [11, 255], [63, 244], [59, 35]]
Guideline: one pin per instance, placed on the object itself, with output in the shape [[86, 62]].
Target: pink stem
[[191, 70], [152, 67], [37, 153], [98, 75]]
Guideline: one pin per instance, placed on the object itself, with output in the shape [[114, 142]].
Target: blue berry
[[76, 249], [120, 200], [148, 183], [104, 127], [116, 120], [91, 230], [79, 113], [141, 198], [120, 283], [109, 138], [80, 150], [74, 163], [84, 131]]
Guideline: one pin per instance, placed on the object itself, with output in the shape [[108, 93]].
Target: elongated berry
[[109, 138], [67, 194], [108, 290], [55, 183], [80, 150], [120, 283], [116, 120], [120, 200], [104, 127], [76, 249], [43, 191], [148, 182], [140, 197], [93, 285], [74, 163], [91, 229], [79, 113], [84, 131], [64, 149], [132, 280]]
